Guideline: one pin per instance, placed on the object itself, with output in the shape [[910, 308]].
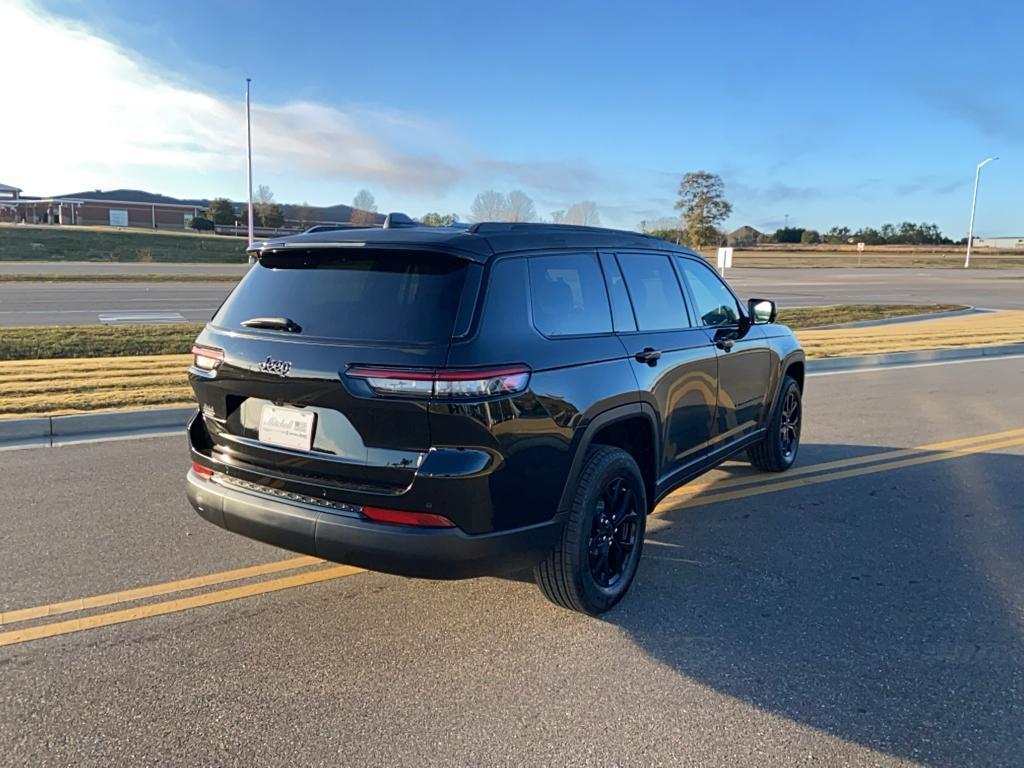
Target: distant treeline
[[906, 233]]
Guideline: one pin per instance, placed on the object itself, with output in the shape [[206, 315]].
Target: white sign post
[[724, 260], [860, 250]]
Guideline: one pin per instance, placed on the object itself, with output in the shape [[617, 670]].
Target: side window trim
[[683, 292], [691, 299], [611, 270]]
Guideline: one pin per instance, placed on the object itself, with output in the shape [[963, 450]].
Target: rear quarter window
[[384, 296], [569, 295]]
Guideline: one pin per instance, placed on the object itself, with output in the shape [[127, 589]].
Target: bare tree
[[489, 206], [263, 204], [583, 213], [364, 206], [520, 207], [558, 217]]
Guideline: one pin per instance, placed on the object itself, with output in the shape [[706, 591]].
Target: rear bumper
[[431, 553]]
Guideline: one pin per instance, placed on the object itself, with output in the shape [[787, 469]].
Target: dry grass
[[76, 277], [812, 317], [963, 331], [51, 387]]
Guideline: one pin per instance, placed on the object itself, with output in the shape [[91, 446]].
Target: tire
[[778, 450], [593, 564]]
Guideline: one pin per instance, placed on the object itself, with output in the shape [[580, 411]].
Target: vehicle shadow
[[886, 609]]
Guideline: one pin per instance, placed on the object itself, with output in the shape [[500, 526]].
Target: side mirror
[[761, 311]]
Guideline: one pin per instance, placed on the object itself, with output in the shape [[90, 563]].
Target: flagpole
[[248, 131]]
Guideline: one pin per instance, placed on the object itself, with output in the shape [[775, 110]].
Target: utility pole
[[974, 205], [248, 131]]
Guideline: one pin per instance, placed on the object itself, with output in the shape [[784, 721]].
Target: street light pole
[[974, 205], [248, 131]]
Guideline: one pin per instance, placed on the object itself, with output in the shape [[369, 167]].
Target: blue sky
[[854, 113]]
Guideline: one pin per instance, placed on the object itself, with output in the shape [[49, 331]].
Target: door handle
[[649, 355], [725, 344]]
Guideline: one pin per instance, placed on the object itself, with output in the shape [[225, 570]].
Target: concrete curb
[[57, 430], [852, 363], [62, 430]]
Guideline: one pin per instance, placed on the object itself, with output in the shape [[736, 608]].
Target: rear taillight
[[401, 517], [507, 380], [204, 472], [206, 358]]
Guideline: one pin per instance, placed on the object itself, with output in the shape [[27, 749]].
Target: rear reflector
[[507, 380], [206, 358], [204, 472], [400, 517]]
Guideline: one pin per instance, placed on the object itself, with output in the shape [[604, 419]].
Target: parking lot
[[866, 608]]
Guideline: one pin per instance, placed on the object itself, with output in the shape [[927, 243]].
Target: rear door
[[290, 330], [744, 357], [674, 364]]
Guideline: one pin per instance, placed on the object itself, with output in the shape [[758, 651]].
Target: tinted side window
[[654, 290], [569, 296], [715, 304]]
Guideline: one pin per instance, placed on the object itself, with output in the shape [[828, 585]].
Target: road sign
[[860, 247], [724, 259]]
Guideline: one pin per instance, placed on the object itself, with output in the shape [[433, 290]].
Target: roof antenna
[[395, 220]]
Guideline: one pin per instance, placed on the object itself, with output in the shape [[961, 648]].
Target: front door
[[744, 357]]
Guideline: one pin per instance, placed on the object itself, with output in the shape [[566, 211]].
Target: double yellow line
[[311, 570], [698, 494], [311, 575]]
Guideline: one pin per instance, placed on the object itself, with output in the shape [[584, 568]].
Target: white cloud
[[86, 113]]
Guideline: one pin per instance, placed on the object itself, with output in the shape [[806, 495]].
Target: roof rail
[[396, 220], [490, 227]]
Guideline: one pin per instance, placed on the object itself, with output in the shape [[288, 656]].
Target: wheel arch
[[632, 427]]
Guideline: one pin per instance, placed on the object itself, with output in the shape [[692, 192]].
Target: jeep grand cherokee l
[[451, 402]]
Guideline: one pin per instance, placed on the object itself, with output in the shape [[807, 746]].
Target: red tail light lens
[[400, 517], [206, 358], [443, 383], [204, 472]]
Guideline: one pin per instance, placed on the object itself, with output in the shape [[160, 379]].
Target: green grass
[[41, 243], [815, 317], [97, 341], [116, 278]]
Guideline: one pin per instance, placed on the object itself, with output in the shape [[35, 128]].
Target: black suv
[[451, 402]]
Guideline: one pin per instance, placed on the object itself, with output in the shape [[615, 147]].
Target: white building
[[1000, 243]]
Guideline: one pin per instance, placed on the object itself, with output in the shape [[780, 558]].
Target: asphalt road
[[64, 303], [855, 614]]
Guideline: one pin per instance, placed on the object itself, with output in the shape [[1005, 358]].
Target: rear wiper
[[273, 323]]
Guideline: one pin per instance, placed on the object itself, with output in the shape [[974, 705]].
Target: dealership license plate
[[287, 427]]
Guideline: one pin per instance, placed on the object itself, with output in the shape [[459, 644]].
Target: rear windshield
[[363, 296]]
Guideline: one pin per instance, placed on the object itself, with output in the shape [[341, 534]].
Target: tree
[[271, 215], [364, 206], [810, 237], [838, 235], [702, 206], [221, 211], [557, 217], [489, 206], [304, 214], [789, 235], [584, 213], [200, 224], [519, 207], [439, 219]]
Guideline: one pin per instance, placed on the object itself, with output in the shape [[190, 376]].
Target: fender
[[794, 356], [584, 435]]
